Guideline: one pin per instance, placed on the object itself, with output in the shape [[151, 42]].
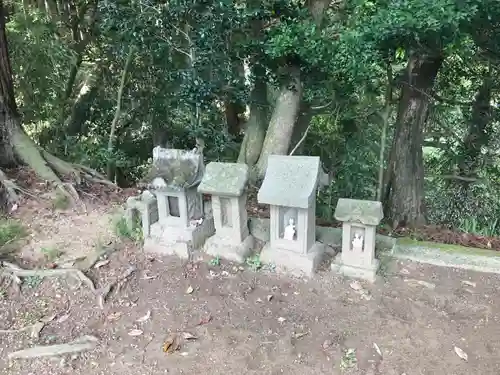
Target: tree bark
[[405, 204], [257, 123], [477, 134], [9, 114], [300, 128], [286, 111]]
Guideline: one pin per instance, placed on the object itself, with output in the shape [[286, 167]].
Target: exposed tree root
[[48, 167]]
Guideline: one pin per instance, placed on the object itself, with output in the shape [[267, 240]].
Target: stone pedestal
[[143, 207], [226, 183], [360, 219], [289, 188], [181, 225], [176, 240]]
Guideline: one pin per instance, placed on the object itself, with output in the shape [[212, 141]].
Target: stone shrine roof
[[224, 179], [290, 181], [175, 169], [359, 211]]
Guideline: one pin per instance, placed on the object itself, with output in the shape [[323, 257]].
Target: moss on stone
[[408, 242]]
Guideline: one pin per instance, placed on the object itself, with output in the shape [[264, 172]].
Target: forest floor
[[171, 317]]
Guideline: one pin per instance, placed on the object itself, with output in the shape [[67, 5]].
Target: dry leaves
[[421, 282], [469, 283], [135, 332], [101, 263], [173, 342], [461, 353], [189, 290], [144, 318], [114, 316]]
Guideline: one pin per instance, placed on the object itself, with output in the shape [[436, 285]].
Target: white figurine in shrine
[[357, 242], [289, 230]]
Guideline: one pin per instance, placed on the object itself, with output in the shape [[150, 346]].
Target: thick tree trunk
[[405, 189], [477, 134], [301, 127], [257, 124], [232, 111], [286, 111]]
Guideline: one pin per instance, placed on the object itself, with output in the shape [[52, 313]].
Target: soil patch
[[259, 322]]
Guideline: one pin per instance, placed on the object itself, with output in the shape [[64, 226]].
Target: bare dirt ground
[[243, 321], [260, 323]]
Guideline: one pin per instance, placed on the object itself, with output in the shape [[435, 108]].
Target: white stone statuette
[[289, 230], [357, 242]]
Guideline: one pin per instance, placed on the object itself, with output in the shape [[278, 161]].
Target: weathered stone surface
[[290, 181], [175, 169], [224, 179], [359, 211]]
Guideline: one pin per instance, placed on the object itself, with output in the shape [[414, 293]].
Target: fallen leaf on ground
[[355, 285], [63, 318], [144, 318], [300, 335], [145, 276], [422, 283], [205, 320], [115, 316], [269, 297], [135, 332], [469, 283], [189, 290], [171, 344], [375, 346], [461, 353], [327, 344], [404, 271], [281, 319], [188, 336], [101, 263]]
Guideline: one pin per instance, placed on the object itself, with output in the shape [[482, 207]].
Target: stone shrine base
[[294, 263], [366, 273], [181, 241], [226, 248]]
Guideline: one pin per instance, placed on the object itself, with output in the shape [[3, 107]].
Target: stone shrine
[[226, 183], [359, 221], [182, 225], [289, 187]]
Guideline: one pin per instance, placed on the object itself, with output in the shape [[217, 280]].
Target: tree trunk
[[477, 134], [257, 123], [299, 131], [232, 111], [8, 109], [286, 111], [405, 189]]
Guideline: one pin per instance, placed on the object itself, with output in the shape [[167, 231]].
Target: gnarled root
[[50, 168]]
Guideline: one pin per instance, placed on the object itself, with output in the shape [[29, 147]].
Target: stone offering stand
[[359, 221], [175, 222], [226, 183], [182, 225], [289, 188]]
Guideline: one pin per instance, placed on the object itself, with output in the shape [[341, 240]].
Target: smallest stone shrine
[[146, 207], [359, 220], [289, 187], [182, 225], [226, 183]]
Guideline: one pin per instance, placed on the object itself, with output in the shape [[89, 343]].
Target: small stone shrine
[[145, 207], [289, 188], [359, 220], [226, 183], [182, 225]]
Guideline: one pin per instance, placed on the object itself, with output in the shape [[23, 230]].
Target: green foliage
[[191, 58], [10, 231]]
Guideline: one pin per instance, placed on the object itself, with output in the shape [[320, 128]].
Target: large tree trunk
[[477, 135], [257, 123], [405, 204], [301, 127], [286, 111], [16, 147]]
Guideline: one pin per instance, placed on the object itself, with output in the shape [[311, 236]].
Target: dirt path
[[250, 322]]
